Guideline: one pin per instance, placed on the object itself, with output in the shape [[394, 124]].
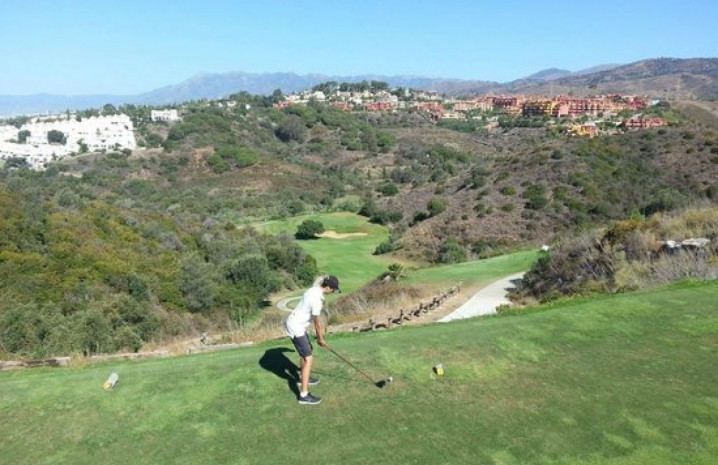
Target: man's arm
[[319, 332]]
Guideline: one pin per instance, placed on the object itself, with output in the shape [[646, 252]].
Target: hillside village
[[45, 139], [33, 140], [590, 109]]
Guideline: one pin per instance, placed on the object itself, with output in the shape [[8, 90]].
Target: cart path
[[486, 300], [282, 304]]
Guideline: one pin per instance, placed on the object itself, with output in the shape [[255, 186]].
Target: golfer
[[307, 311]]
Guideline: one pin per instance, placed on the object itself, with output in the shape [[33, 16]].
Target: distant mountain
[[688, 78], [214, 86], [221, 85], [662, 77], [556, 73], [548, 74], [47, 103], [595, 69]]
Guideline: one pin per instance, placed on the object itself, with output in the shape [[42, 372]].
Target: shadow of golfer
[[276, 362]]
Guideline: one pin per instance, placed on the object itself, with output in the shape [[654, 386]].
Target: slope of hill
[[661, 77], [548, 74], [626, 379], [556, 73], [95, 225]]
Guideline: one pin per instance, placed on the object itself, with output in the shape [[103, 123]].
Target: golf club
[[379, 384]]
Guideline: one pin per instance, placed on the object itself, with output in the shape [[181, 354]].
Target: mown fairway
[[350, 258], [628, 379], [475, 272]]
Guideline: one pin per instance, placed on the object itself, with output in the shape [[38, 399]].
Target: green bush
[[291, 128], [389, 189], [535, 197], [436, 206], [451, 252], [309, 229]]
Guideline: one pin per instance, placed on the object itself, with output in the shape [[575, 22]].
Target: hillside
[[157, 243], [627, 379], [695, 78]]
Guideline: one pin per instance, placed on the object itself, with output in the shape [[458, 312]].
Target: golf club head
[[384, 382]]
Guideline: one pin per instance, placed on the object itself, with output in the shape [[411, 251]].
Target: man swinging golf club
[[308, 310]]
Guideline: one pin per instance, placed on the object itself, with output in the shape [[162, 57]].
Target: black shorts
[[303, 346]]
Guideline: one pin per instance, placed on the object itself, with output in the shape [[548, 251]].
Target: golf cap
[[333, 282]]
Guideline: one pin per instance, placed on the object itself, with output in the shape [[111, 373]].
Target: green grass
[[349, 258], [618, 380], [474, 272]]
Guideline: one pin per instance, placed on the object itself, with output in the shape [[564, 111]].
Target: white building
[[98, 133], [164, 115]]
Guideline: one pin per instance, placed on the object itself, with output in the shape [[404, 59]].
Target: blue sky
[[130, 46]]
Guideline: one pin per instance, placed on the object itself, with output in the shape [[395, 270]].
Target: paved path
[[283, 304], [486, 300]]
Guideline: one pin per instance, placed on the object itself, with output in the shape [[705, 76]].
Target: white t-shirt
[[310, 305]]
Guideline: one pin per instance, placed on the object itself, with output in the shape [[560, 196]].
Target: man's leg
[[306, 367]]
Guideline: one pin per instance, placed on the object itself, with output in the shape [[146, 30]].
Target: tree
[[291, 128], [309, 229], [277, 95], [109, 109], [197, 285], [23, 135], [56, 137], [16, 162]]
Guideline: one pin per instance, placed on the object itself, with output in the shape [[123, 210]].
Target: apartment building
[[98, 133]]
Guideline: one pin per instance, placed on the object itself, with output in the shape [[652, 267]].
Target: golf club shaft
[[351, 365]]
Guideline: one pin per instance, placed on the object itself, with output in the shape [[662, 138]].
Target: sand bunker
[[335, 235]]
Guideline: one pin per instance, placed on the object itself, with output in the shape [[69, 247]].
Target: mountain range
[[661, 77]]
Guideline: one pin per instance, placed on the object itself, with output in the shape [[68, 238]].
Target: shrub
[[451, 252], [217, 163], [291, 129], [56, 137], [389, 189], [535, 197], [309, 229], [436, 206], [385, 247], [712, 192], [420, 216]]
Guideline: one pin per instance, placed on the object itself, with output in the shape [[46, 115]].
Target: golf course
[[348, 254], [622, 379], [616, 379]]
